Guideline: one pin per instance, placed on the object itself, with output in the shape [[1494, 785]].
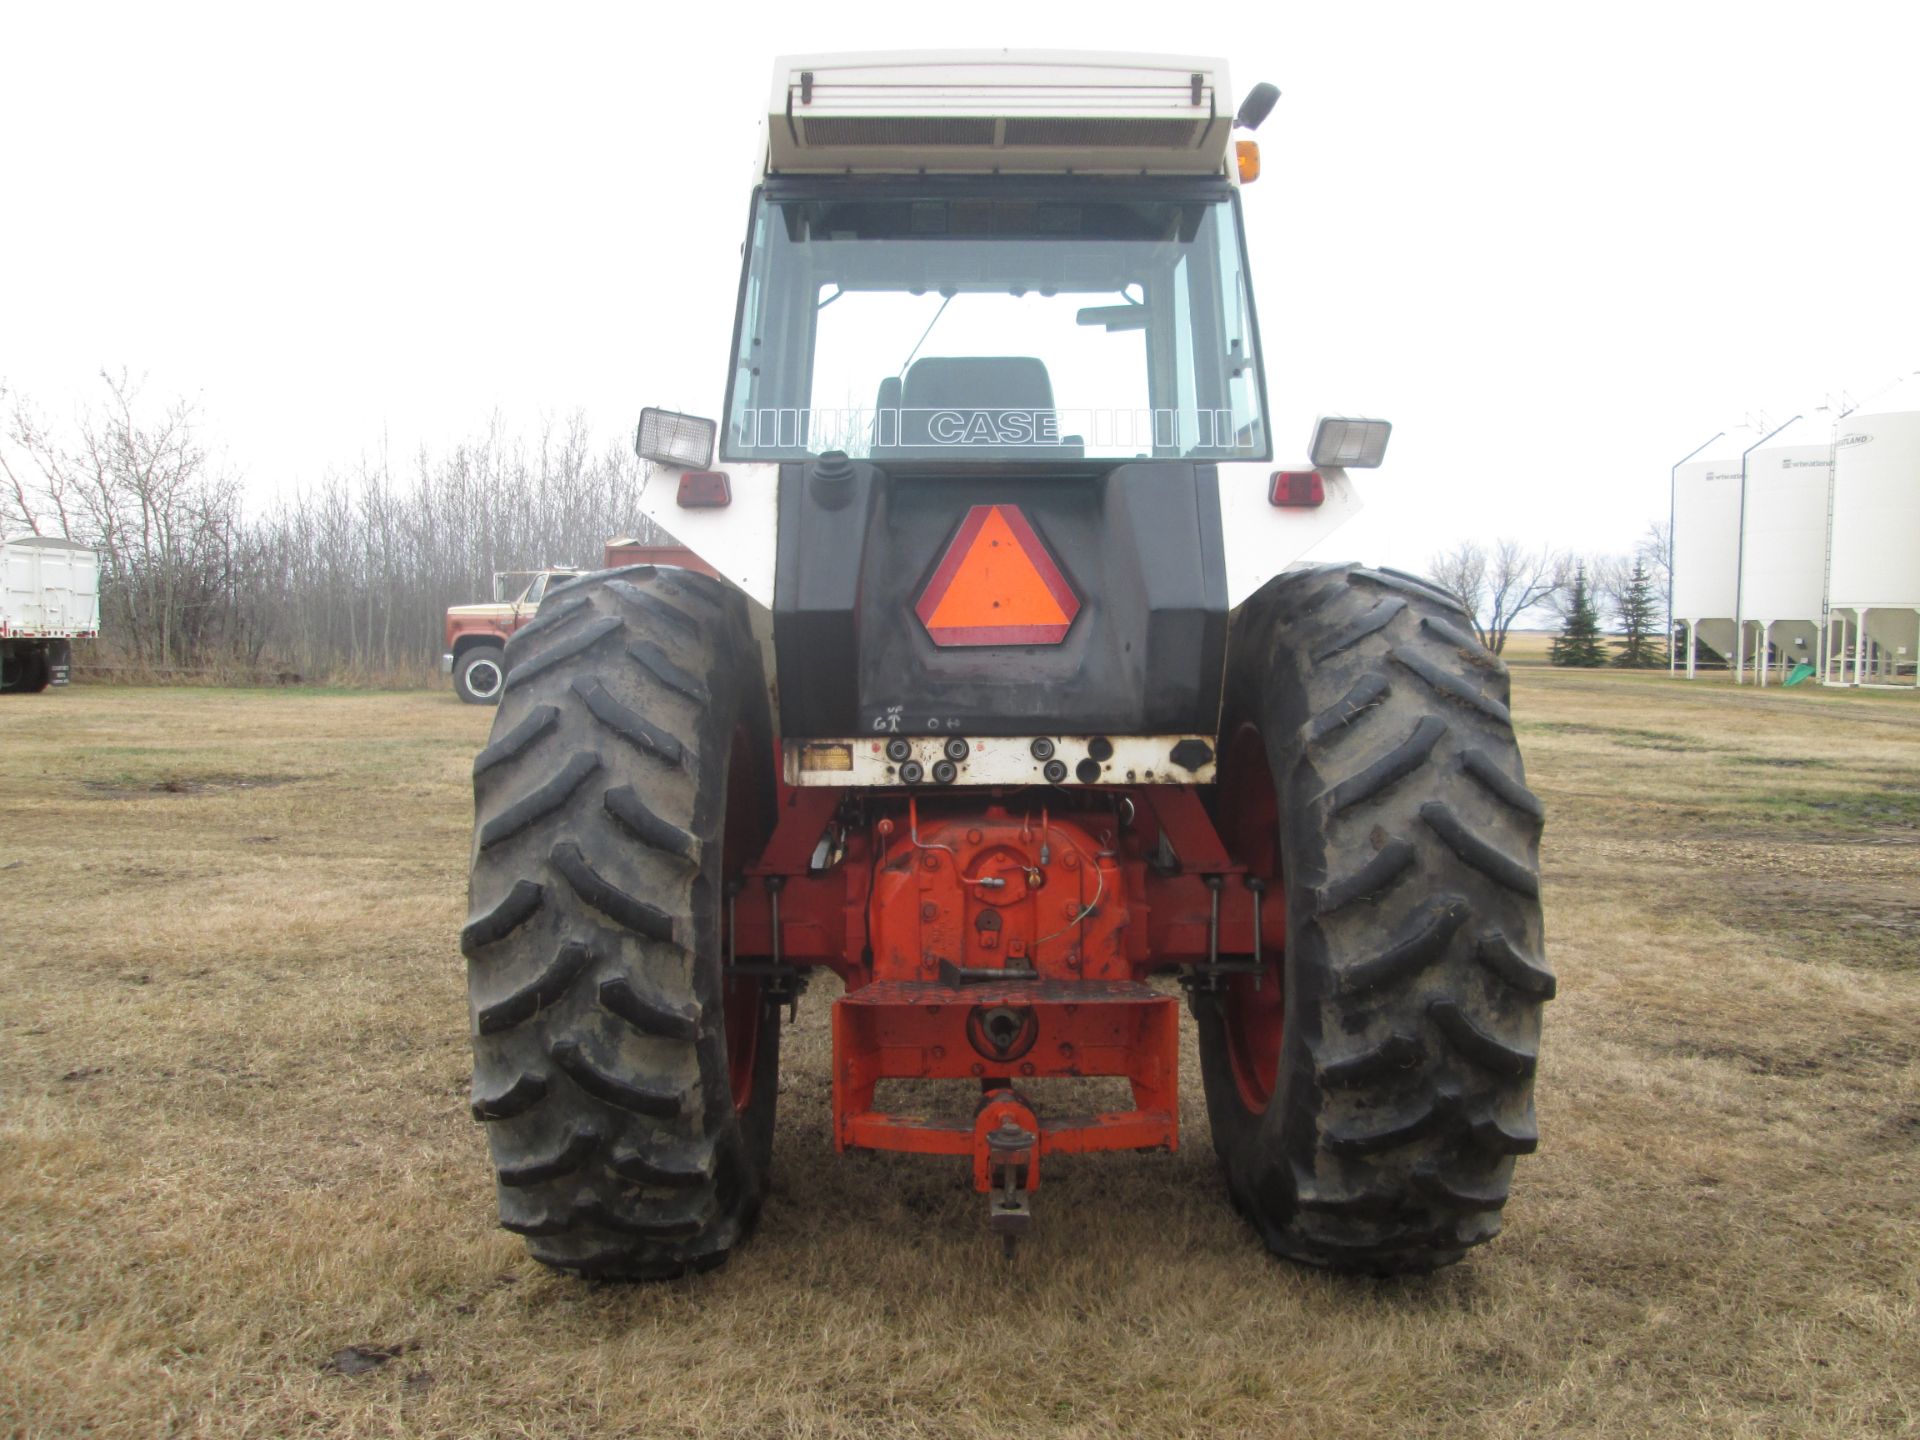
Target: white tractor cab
[[999, 257]]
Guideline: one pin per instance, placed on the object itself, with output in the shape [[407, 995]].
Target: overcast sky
[[1556, 245]]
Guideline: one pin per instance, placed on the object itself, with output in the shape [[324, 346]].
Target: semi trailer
[[49, 597]]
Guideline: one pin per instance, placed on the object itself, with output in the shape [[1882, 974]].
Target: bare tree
[[1500, 585], [36, 496], [1655, 551], [1609, 580], [349, 578], [1462, 573]]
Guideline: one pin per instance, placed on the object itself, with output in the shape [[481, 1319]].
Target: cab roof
[[998, 111]]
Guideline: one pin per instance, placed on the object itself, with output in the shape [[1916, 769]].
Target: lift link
[[783, 984], [1214, 973]]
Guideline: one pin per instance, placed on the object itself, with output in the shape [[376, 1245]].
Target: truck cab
[[476, 635]]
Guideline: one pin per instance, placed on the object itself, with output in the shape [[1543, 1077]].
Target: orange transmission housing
[[1000, 955]]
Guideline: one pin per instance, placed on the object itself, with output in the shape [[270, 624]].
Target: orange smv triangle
[[997, 585]]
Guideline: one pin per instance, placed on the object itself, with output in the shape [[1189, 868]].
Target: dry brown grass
[[233, 1136]]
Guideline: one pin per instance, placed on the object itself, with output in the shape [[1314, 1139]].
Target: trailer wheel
[[627, 1084], [26, 670], [480, 675], [1368, 1098]]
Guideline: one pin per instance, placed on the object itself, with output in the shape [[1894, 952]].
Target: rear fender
[[737, 539], [1263, 539]]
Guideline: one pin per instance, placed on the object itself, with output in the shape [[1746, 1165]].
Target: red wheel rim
[[1254, 1018], [741, 1003]]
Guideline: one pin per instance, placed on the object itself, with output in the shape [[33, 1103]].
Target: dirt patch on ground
[[185, 785]]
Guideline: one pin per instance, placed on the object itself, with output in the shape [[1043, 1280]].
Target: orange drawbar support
[[1001, 1033]]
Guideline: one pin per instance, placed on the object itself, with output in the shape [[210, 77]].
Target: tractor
[[1000, 693]]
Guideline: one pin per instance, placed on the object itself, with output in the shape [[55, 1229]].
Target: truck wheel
[[480, 675], [1368, 1097], [626, 1082]]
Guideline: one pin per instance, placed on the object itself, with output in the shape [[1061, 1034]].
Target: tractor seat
[[971, 407]]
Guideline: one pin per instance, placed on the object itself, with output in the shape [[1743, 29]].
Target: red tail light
[[704, 490], [1295, 489]]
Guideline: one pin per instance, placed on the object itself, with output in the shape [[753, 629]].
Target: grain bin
[[1706, 543], [1873, 585], [1783, 544]]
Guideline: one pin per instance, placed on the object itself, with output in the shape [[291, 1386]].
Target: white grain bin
[[1873, 584], [1706, 544], [1783, 544]]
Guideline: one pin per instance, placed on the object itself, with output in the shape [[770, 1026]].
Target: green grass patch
[[1890, 808], [1632, 738]]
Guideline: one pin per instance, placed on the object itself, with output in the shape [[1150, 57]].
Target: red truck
[[477, 634]]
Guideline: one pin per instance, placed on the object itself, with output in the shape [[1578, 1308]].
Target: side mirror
[[1257, 105]]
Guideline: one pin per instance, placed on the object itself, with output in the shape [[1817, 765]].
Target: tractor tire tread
[[1503, 787], [541, 801], [1398, 763], [631, 726], [544, 990], [539, 720], [1337, 720], [528, 667], [630, 812], [1409, 585], [504, 917], [549, 619], [575, 1151]]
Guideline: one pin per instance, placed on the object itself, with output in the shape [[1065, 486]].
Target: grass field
[[234, 1139]]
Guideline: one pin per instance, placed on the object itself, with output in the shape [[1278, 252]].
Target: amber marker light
[[1247, 154]]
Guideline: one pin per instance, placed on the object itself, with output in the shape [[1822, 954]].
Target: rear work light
[[670, 438], [1350, 444], [1297, 489]]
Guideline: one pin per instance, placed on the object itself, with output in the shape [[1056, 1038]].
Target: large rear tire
[[627, 1084], [1368, 1098]]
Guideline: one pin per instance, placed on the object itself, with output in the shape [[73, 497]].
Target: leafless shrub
[[1500, 584], [350, 577]]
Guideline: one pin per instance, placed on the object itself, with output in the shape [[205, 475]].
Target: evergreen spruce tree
[[1640, 644], [1578, 642]]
